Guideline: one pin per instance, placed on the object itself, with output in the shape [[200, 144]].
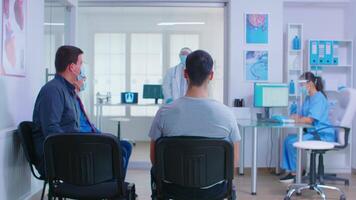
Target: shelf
[[330, 91], [331, 66], [294, 69], [294, 58]]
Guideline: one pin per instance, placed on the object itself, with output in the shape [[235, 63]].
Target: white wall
[[238, 87], [320, 22], [16, 104]]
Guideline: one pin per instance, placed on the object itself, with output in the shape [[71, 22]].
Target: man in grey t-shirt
[[195, 114]]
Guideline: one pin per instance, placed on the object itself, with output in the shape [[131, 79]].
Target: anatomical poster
[[256, 66], [13, 37], [256, 27]]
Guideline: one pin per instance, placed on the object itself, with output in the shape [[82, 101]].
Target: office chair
[[85, 166], [347, 110], [344, 117], [317, 147], [25, 132], [192, 167]]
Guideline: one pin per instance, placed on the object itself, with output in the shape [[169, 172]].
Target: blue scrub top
[[317, 107]]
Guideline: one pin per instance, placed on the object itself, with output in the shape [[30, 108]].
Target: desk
[[245, 123], [99, 110]]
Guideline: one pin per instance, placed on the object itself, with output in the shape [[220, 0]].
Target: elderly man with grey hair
[[174, 84]]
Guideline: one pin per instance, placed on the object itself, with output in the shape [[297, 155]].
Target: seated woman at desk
[[314, 111]]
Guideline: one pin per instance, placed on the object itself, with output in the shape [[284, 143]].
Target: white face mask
[[183, 59], [304, 90], [81, 76]]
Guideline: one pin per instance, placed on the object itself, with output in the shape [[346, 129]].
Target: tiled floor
[[141, 152], [268, 186]]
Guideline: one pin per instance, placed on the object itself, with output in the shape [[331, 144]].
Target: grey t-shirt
[[189, 116]]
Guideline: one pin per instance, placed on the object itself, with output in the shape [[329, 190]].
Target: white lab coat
[[174, 84]]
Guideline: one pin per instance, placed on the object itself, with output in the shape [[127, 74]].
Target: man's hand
[[295, 117], [78, 84]]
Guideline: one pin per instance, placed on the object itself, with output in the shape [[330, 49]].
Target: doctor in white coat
[[174, 84]]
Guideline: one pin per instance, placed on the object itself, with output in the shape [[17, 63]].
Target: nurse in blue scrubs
[[314, 111]]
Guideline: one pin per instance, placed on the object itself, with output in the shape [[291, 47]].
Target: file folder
[[314, 52], [335, 53], [321, 48], [328, 53]]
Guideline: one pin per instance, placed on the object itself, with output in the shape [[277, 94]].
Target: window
[[112, 74], [110, 70], [146, 68]]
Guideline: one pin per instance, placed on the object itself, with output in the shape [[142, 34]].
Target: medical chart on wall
[[256, 28], [256, 65], [13, 37]]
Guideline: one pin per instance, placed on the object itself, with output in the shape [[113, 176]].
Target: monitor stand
[[267, 113], [156, 100]]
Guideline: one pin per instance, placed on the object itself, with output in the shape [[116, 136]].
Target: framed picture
[[256, 28], [256, 66], [14, 25]]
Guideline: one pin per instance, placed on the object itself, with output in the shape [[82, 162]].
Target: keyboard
[[277, 119]]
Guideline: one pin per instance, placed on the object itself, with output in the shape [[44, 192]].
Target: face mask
[[81, 76], [304, 91], [183, 59]]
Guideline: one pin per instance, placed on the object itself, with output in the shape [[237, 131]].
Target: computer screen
[[152, 92], [129, 97], [271, 95]]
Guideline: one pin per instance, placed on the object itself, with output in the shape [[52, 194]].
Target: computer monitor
[[152, 92], [270, 95], [129, 97]]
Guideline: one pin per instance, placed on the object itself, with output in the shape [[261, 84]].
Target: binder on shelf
[[314, 52], [321, 48], [335, 53], [328, 53]]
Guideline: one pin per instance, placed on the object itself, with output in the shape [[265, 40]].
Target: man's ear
[[71, 67], [211, 76], [186, 74]]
